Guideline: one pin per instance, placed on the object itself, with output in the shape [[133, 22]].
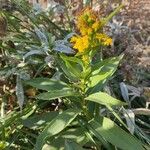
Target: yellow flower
[[85, 59], [74, 39], [88, 25], [96, 26], [104, 39], [87, 22], [108, 42], [81, 43], [89, 31]]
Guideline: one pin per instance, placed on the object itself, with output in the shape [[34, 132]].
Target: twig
[[141, 111]]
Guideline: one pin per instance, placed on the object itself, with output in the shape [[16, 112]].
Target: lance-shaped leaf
[[124, 92], [56, 94], [41, 35], [74, 66], [115, 135], [56, 125], [104, 99], [71, 145], [101, 73], [19, 92], [38, 121], [76, 135], [63, 48], [47, 84], [33, 52], [66, 71]]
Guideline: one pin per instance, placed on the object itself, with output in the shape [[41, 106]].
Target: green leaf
[[101, 73], [56, 94], [74, 65], [37, 121], [14, 116], [116, 115], [72, 59], [2, 145], [47, 84], [115, 135], [75, 134], [100, 141], [100, 64], [103, 69], [66, 71], [73, 69], [104, 99], [56, 126], [71, 66], [71, 145]]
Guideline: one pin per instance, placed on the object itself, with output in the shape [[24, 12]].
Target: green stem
[[84, 102], [101, 54], [106, 20]]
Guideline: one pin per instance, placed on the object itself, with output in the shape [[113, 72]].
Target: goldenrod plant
[[80, 88], [59, 78]]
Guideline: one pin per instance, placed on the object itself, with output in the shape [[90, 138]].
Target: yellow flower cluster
[[89, 26], [88, 22], [81, 43], [104, 39]]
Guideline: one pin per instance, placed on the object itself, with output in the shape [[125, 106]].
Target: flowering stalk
[[91, 36]]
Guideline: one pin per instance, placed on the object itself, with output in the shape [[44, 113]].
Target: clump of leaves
[[80, 88], [86, 117]]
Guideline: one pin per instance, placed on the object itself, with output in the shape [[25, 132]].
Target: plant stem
[[106, 20]]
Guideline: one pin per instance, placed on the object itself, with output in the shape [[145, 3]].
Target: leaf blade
[[115, 135], [56, 94], [71, 145], [46, 84], [56, 126], [19, 92], [101, 73], [38, 121], [104, 99]]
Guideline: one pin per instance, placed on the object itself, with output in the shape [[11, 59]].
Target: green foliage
[[47, 84], [71, 145], [104, 99], [115, 135], [56, 126], [74, 87], [38, 121], [102, 72]]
